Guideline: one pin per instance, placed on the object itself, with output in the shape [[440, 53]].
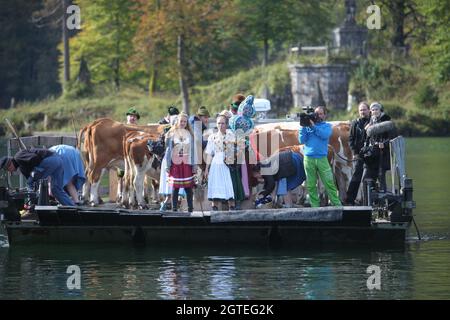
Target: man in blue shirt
[[315, 139]]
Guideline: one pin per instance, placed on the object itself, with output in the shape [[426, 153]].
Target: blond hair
[[176, 127]]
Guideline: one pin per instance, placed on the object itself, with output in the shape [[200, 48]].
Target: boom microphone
[[380, 128]]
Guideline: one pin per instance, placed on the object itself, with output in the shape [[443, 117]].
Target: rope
[[417, 228], [352, 160]]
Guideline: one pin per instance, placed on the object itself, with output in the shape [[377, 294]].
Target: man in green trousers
[[315, 139]]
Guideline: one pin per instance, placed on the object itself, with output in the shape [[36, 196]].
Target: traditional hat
[[133, 112], [203, 111], [246, 108], [239, 122], [173, 111]]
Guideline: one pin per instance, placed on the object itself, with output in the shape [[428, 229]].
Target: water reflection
[[244, 274], [222, 272], [420, 271], [173, 279]]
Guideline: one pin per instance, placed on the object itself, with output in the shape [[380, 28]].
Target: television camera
[[307, 115]]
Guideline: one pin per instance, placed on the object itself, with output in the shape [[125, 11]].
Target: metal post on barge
[[392, 209]]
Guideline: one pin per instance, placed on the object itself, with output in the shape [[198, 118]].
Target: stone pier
[[313, 84]]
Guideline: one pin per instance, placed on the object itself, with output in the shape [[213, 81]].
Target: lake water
[[418, 271]]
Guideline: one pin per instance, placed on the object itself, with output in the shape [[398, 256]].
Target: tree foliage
[[274, 23], [105, 40], [28, 53], [137, 41], [437, 50]]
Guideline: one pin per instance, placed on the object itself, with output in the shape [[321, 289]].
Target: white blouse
[[218, 141]]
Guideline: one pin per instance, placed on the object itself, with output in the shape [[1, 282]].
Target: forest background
[[154, 53]]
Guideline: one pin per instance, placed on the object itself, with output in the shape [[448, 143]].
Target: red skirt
[[180, 175]]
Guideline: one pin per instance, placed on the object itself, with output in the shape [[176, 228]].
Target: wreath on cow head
[[156, 147], [242, 121]]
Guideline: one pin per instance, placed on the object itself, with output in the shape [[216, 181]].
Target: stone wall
[[313, 83], [350, 39]]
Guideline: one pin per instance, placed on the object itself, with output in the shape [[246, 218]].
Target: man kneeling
[[285, 169]]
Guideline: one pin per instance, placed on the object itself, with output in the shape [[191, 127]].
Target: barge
[[274, 227], [384, 219]]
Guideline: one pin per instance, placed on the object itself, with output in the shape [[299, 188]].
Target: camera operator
[[356, 141], [315, 138], [376, 152]]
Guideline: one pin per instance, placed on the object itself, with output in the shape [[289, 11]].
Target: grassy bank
[[418, 106], [274, 80], [56, 114]]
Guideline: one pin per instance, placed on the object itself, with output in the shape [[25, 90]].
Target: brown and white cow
[[268, 138], [139, 163], [343, 164], [101, 145]]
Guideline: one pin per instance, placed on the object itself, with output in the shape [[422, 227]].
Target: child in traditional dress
[[180, 164], [164, 187]]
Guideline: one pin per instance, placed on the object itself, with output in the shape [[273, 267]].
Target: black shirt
[[358, 134], [286, 168], [27, 160]]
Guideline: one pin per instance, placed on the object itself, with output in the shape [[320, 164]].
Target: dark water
[[418, 271]]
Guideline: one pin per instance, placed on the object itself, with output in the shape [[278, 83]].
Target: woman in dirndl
[[164, 187], [180, 160], [220, 185]]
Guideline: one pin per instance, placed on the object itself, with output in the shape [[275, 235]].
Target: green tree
[[288, 21], [105, 40], [175, 30], [436, 52], [405, 18], [28, 52]]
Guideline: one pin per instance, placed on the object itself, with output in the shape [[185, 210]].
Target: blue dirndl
[[72, 165]]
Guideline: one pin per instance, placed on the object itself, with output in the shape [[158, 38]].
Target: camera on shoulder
[[307, 115]]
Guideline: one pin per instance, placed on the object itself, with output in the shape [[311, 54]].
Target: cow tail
[[84, 155], [88, 145], [80, 137]]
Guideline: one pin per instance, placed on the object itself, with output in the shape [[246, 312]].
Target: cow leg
[[341, 174], [145, 189], [94, 193], [149, 195], [128, 194], [96, 178], [86, 192], [340, 184], [119, 197], [139, 186], [155, 185], [124, 189], [345, 182]]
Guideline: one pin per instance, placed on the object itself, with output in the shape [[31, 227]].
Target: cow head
[[156, 147]]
